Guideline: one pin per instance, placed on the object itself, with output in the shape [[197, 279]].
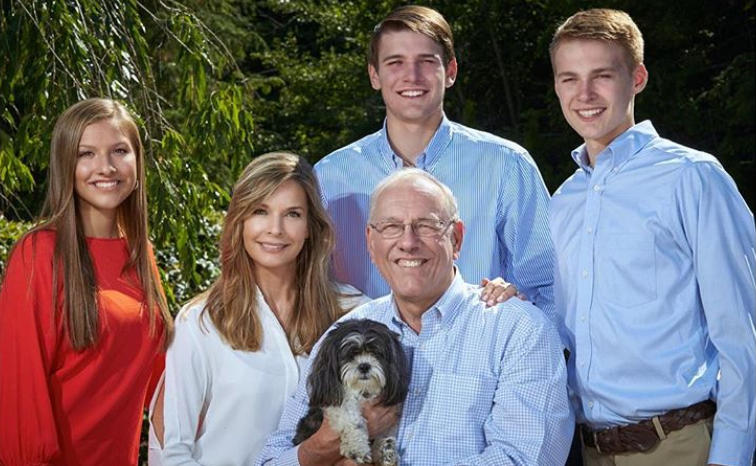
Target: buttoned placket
[[421, 369], [596, 181]]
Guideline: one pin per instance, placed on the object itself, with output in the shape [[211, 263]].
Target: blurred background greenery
[[216, 82]]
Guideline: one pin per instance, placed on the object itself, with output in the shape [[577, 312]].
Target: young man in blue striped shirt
[[502, 197], [655, 270]]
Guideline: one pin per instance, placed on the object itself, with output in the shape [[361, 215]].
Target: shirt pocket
[[627, 269], [462, 404]]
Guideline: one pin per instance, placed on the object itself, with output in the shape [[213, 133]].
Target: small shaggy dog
[[359, 360]]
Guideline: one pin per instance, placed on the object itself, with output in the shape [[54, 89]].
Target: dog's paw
[[357, 451], [386, 453], [363, 458]]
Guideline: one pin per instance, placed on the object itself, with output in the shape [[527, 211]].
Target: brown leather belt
[[644, 435]]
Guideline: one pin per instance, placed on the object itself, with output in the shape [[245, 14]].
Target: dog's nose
[[364, 367]]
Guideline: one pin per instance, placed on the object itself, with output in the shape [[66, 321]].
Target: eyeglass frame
[[443, 225]]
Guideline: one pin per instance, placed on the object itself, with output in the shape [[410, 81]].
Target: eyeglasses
[[420, 226]]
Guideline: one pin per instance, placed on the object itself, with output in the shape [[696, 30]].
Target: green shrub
[[10, 231]]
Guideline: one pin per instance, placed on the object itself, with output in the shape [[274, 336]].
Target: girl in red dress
[[83, 321]]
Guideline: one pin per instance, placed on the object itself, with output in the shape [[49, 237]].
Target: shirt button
[[582, 363], [589, 230], [590, 404], [582, 318], [585, 273], [596, 187]]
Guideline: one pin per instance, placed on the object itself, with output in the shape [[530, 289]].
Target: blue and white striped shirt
[[501, 196], [488, 386], [655, 282]]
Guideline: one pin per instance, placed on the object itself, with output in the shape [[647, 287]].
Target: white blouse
[[237, 395]]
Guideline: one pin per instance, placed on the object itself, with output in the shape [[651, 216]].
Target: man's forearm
[[322, 449]]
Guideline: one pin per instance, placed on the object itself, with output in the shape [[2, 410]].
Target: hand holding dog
[[323, 447], [325, 444], [380, 419]]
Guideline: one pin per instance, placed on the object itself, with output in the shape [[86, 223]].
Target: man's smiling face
[[596, 89], [418, 269], [412, 77]]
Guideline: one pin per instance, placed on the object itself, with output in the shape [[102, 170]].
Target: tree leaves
[[169, 69]]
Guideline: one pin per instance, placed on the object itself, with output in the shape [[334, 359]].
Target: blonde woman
[[83, 321], [239, 347]]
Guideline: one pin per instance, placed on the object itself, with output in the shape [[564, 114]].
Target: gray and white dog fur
[[359, 360]]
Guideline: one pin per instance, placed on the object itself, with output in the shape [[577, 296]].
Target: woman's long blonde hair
[[71, 259], [232, 299]]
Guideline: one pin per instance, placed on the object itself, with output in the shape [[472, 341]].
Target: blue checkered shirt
[[502, 201], [488, 386]]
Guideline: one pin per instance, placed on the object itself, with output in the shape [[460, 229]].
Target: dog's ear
[[398, 376], [324, 380]]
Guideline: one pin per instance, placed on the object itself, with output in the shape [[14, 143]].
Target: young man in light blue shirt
[[502, 197], [654, 272]]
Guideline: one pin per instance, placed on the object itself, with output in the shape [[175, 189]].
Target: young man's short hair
[[605, 25], [415, 18]]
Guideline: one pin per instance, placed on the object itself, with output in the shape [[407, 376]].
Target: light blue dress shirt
[[655, 282], [488, 386], [501, 196]]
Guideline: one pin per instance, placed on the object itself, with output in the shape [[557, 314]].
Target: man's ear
[[640, 78], [458, 233], [369, 239], [375, 80], [451, 73]]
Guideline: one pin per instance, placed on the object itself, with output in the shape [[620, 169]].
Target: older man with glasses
[[487, 386]]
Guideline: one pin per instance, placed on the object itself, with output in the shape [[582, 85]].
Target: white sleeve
[[187, 383]]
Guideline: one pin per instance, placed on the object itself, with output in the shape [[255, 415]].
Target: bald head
[[420, 179]]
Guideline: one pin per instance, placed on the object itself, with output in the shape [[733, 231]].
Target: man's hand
[[497, 291], [324, 447], [380, 419], [345, 462]]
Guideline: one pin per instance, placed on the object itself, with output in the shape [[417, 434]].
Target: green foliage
[[314, 94], [302, 62], [181, 81], [10, 232]]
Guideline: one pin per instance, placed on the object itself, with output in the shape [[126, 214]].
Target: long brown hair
[[71, 258], [232, 299]]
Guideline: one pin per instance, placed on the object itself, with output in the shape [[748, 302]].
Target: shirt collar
[[447, 306], [430, 154], [622, 148]]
